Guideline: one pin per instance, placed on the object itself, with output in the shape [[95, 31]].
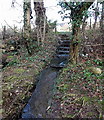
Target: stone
[[95, 70]]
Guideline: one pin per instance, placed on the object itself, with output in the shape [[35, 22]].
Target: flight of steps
[[63, 47], [62, 55]]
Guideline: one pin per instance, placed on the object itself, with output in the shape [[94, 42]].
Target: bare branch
[[71, 7], [84, 5], [13, 2], [10, 26]]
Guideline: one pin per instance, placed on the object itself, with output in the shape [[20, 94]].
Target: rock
[[95, 70], [12, 48]]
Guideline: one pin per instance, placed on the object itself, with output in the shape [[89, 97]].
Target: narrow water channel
[[40, 99]]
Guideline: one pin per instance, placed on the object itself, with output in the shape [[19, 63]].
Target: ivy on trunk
[[27, 25]]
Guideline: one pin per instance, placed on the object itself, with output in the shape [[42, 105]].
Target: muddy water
[[41, 97]]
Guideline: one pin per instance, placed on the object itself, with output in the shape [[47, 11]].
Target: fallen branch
[[92, 45]]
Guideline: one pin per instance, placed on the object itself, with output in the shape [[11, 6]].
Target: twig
[[79, 110], [92, 45], [10, 26], [70, 6], [9, 111]]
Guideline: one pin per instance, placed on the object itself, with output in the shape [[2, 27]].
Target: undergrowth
[[79, 92], [19, 77]]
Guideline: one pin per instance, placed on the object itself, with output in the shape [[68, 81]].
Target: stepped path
[[41, 97], [62, 52], [63, 49]]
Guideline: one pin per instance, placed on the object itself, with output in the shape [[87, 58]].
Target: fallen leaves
[[78, 89]]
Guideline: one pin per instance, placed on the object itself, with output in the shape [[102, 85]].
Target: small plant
[[87, 74], [99, 62], [88, 62], [63, 87], [13, 62]]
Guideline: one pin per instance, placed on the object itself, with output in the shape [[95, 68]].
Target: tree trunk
[[77, 16], [44, 30], [27, 26], [84, 24], [74, 46], [90, 23], [77, 13], [4, 32], [96, 15], [102, 17], [74, 53], [102, 23], [40, 20]]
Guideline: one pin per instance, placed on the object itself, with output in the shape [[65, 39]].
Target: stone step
[[64, 45], [66, 41], [63, 48], [59, 65], [65, 37], [63, 51], [63, 55]]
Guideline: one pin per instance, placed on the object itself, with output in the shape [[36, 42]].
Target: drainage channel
[[42, 95]]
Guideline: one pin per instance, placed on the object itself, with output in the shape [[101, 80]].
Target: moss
[[86, 99], [90, 114], [10, 78], [1, 110], [69, 116], [15, 81], [10, 56], [1, 101], [19, 70], [36, 72], [63, 87]]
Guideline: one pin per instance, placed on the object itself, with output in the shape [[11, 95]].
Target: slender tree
[[96, 15], [41, 21], [4, 32], [84, 23], [27, 25], [102, 17]]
